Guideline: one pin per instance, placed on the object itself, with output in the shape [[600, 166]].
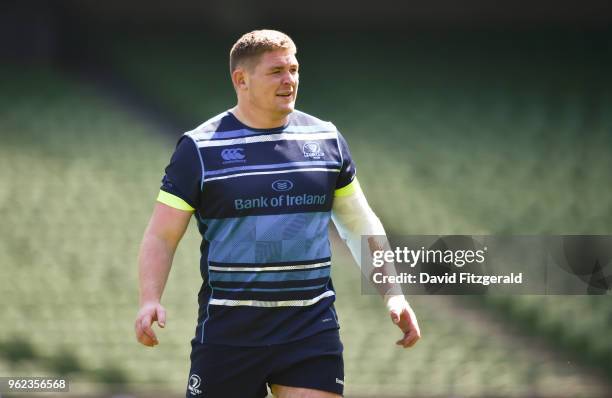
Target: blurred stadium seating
[[446, 141]]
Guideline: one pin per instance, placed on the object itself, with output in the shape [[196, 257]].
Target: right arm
[[176, 202], [165, 230]]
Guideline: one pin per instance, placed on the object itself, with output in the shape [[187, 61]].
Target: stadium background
[[464, 117]]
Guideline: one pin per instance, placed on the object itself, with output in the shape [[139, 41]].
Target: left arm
[[354, 218]]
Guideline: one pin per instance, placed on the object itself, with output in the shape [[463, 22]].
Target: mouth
[[286, 92]]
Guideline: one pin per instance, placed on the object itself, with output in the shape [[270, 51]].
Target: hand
[[149, 312], [403, 316]]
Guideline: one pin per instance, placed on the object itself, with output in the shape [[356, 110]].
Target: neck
[[257, 119]]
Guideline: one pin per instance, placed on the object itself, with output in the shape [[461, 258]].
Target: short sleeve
[[347, 171], [181, 185]]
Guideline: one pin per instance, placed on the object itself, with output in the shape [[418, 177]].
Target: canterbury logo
[[233, 154]]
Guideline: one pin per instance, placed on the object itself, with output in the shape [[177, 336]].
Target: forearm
[[355, 220], [154, 263], [387, 290]]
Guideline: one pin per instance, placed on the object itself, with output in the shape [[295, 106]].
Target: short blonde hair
[[251, 45]]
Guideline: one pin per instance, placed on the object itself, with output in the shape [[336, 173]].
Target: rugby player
[[263, 181]]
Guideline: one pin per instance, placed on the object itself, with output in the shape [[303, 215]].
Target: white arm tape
[[353, 218]]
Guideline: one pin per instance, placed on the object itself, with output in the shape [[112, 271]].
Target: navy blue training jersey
[[263, 200]]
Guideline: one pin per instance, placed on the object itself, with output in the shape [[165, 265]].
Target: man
[[263, 181]]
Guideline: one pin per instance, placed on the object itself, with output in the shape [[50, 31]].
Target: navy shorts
[[223, 371]]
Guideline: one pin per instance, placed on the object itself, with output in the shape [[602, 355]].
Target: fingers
[[141, 337], [161, 317], [408, 323], [395, 317], [146, 327], [142, 327], [409, 339], [144, 333], [411, 336], [146, 340]]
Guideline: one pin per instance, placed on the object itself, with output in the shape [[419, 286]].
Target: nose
[[290, 78]]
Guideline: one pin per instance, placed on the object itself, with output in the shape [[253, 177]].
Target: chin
[[285, 110]]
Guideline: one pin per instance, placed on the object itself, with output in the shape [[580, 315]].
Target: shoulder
[[212, 128], [303, 122]]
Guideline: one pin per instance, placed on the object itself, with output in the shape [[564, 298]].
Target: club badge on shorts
[[194, 384]]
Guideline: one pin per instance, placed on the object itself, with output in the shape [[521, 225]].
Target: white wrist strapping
[[395, 302]]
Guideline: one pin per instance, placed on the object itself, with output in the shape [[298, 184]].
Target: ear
[[240, 79]]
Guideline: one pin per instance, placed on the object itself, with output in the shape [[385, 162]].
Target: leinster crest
[[312, 150]]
